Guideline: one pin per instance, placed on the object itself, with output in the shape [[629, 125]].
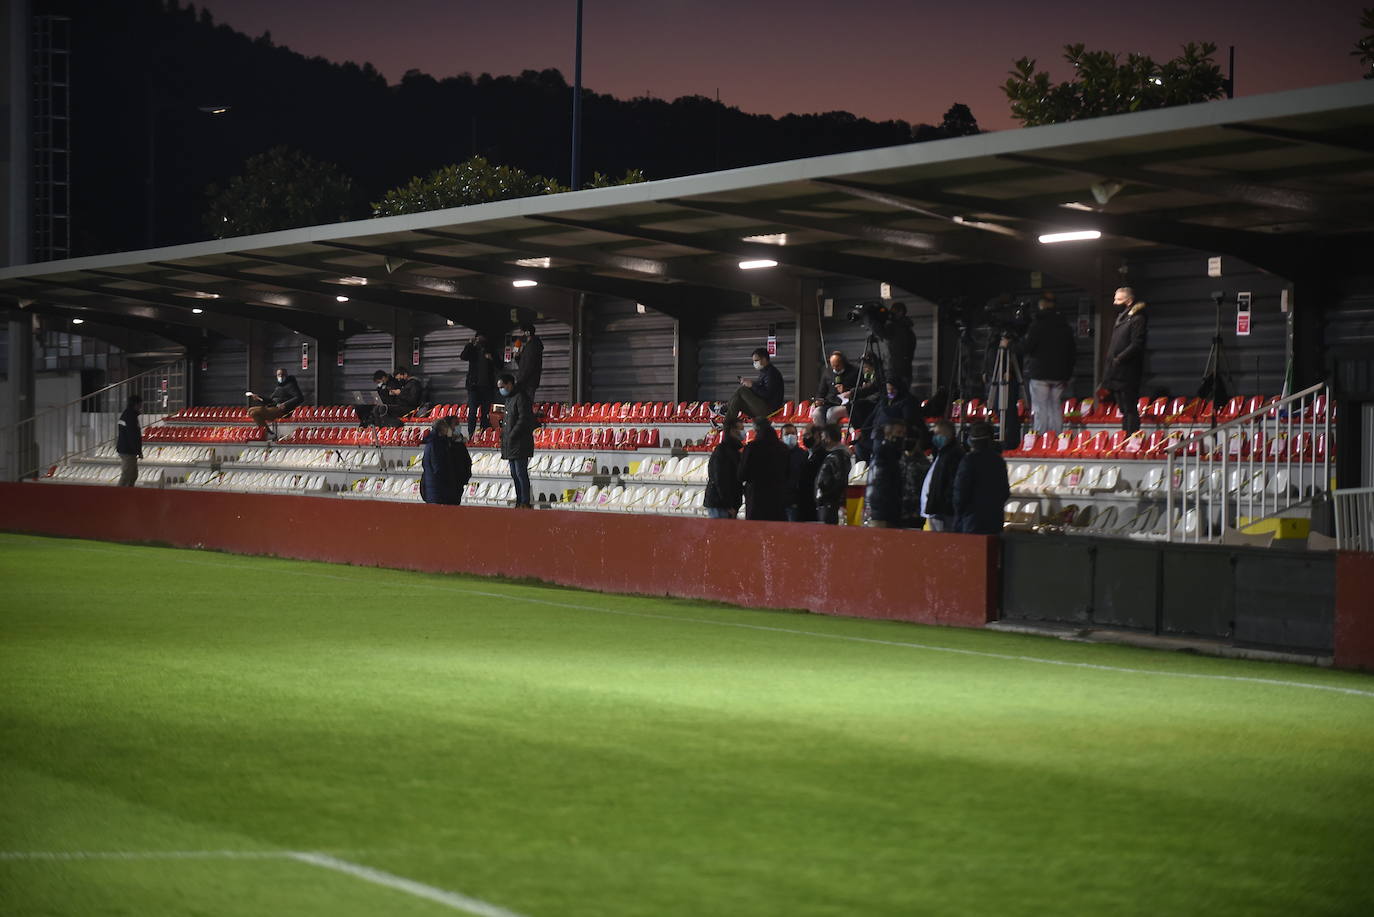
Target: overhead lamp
[[197, 311], [352, 281], [198, 294], [772, 238], [341, 299], [78, 321], [1080, 235], [214, 109], [524, 283], [755, 265], [535, 262]]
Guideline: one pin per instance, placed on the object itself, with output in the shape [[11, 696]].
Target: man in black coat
[[517, 437], [758, 397], [763, 470], [529, 360], [283, 400], [884, 493], [438, 478], [865, 404], [129, 444], [409, 392], [895, 339], [1048, 351], [832, 480], [801, 474], [724, 492], [937, 491], [896, 405], [1126, 357], [980, 486], [480, 382], [458, 452]]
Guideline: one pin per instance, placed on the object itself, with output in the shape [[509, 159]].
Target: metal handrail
[[1354, 519]]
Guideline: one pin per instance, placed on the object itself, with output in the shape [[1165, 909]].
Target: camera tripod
[[1005, 369]]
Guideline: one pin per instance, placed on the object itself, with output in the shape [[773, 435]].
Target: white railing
[[1250, 468], [1355, 519], [45, 440]]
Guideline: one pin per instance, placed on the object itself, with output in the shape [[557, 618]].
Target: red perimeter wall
[[925, 577], [1354, 610]]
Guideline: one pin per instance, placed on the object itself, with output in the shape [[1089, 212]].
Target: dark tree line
[[144, 70]]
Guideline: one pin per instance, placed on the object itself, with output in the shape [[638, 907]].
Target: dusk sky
[[877, 58]]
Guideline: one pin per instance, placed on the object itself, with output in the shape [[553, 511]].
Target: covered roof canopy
[[1264, 178]]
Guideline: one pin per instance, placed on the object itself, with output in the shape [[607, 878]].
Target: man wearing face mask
[[838, 381], [517, 437], [724, 492], [1126, 357], [763, 470], [758, 397], [281, 402], [801, 499], [937, 493], [529, 359], [832, 481], [897, 405]]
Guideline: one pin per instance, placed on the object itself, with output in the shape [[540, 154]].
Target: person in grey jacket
[[517, 436]]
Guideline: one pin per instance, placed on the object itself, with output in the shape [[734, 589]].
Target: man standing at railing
[[129, 445]]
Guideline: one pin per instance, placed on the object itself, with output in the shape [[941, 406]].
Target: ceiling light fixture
[[1079, 235], [78, 321], [524, 283], [198, 294], [197, 311], [775, 238], [755, 265], [341, 299], [352, 281], [535, 262]]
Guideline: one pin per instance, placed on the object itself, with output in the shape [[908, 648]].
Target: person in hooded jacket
[[763, 469], [884, 494], [529, 359], [937, 490], [724, 492], [896, 405], [438, 478], [129, 444], [458, 452], [980, 485]]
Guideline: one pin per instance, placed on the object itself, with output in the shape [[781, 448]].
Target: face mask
[[505, 392], [281, 379], [891, 396], [758, 365], [790, 439], [940, 440]]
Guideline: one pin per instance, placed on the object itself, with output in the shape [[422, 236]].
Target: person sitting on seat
[[838, 381], [281, 402], [368, 413], [758, 398], [408, 392]]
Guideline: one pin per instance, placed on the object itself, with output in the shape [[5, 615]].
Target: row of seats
[[163, 455], [259, 481], [328, 459], [1153, 445], [620, 498], [223, 434], [1079, 480], [102, 474], [354, 436], [605, 439], [1155, 411]]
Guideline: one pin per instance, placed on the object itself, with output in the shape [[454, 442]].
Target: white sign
[[884, 291], [1214, 266]]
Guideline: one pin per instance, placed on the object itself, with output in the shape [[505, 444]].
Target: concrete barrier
[[923, 577], [1354, 610]]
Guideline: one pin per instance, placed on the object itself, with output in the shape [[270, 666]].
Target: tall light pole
[[577, 105]]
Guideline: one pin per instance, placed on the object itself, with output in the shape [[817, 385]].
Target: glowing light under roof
[[1080, 235], [755, 265]]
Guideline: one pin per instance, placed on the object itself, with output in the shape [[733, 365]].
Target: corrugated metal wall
[[1350, 320], [628, 356], [284, 350], [363, 355], [850, 337], [725, 348], [223, 380], [1183, 319]]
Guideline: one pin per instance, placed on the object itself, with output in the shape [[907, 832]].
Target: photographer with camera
[[864, 405], [891, 335], [839, 378], [1048, 350]]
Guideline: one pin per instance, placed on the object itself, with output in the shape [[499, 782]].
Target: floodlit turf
[[555, 752]]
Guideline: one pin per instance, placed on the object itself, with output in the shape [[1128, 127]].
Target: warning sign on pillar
[[305, 355], [1242, 314], [414, 351], [772, 341]]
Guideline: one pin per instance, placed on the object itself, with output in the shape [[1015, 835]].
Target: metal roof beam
[[1314, 205], [1343, 142], [369, 311], [145, 307], [131, 321]]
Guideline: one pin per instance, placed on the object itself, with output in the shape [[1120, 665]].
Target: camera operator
[[864, 405], [1126, 357], [838, 381], [893, 335], [1048, 350]]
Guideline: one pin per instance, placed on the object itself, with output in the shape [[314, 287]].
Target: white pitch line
[[454, 900], [438, 895], [1040, 660]]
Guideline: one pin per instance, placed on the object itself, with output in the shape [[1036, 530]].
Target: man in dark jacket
[[895, 339], [896, 405], [914, 466], [865, 404], [480, 382], [763, 470], [129, 444], [281, 402], [884, 492], [759, 397], [462, 459], [980, 486], [801, 477], [438, 478], [839, 378], [937, 491], [371, 413], [1048, 350], [529, 359], [517, 437], [723, 490], [1126, 357], [409, 392], [832, 480]]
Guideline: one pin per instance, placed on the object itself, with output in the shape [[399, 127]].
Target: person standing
[[480, 382], [129, 443], [914, 466], [832, 481], [895, 338], [1126, 357], [980, 485], [864, 405], [283, 400], [838, 381], [529, 360], [758, 397], [723, 490], [801, 487], [438, 480], [763, 470], [462, 459], [937, 491], [884, 494], [1048, 350], [517, 436]]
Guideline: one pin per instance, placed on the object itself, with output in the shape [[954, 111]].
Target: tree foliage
[[477, 181], [1102, 84], [1364, 48], [282, 188], [959, 121]]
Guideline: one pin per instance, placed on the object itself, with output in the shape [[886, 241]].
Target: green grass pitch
[[173, 723]]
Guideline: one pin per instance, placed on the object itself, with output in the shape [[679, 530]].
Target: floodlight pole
[[577, 105]]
